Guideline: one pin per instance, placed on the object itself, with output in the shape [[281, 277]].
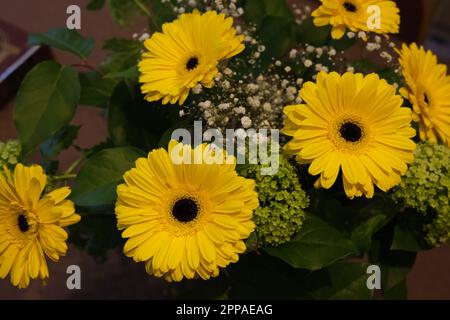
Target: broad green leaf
[[96, 183], [64, 39], [96, 5], [96, 233], [404, 240], [60, 141], [134, 121], [126, 11], [409, 233], [46, 102], [347, 281], [96, 90], [261, 276], [316, 246], [257, 10], [308, 33], [276, 34], [125, 55], [362, 234], [131, 74], [395, 267]]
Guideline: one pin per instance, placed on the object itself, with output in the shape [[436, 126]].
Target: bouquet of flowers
[[251, 152]]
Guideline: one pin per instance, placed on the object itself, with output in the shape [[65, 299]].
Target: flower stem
[[64, 177], [143, 8]]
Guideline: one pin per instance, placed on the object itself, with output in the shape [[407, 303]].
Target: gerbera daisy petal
[[428, 90], [371, 144], [185, 54], [201, 208], [32, 226]]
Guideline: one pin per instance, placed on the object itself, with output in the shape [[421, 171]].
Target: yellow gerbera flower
[[31, 226], [428, 90], [354, 123], [357, 16], [185, 54], [185, 220]]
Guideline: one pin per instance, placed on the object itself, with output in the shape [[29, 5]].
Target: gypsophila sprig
[[282, 203], [426, 188]]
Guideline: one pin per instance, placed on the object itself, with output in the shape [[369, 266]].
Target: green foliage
[[316, 246], [426, 188], [346, 281], [64, 39], [45, 103], [125, 11], [125, 54], [96, 90], [61, 140], [95, 185], [136, 122], [282, 203], [96, 233]]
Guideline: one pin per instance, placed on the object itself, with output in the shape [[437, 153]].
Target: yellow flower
[[357, 16], [352, 123], [185, 220], [31, 226], [428, 90], [185, 54]]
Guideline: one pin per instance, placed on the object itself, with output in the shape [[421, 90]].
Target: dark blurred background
[[423, 21]]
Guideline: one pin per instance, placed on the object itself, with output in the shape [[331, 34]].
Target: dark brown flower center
[[350, 7], [426, 98], [22, 222], [192, 64], [351, 132], [185, 210]]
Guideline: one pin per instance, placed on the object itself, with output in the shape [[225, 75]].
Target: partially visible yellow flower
[[357, 15], [185, 220], [185, 54], [31, 225], [355, 124], [428, 90]]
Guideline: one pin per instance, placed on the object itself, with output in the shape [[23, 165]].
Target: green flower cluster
[[282, 203], [9, 153], [426, 188]]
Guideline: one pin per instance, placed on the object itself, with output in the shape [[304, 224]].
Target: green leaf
[[125, 55], [96, 183], [409, 234], [395, 267], [307, 32], [258, 10], [45, 103], [64, 39], [261, 276], [160, 14], [276, 34], [362, 234], [126, 11], [316, 246], [96, 90], [97, 234], [131, 74], [134, 121], [60, 141], [96, 5], [347, 281]]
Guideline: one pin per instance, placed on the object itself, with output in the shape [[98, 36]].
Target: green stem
[[65, 177], [143, 8], [77, 163]]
